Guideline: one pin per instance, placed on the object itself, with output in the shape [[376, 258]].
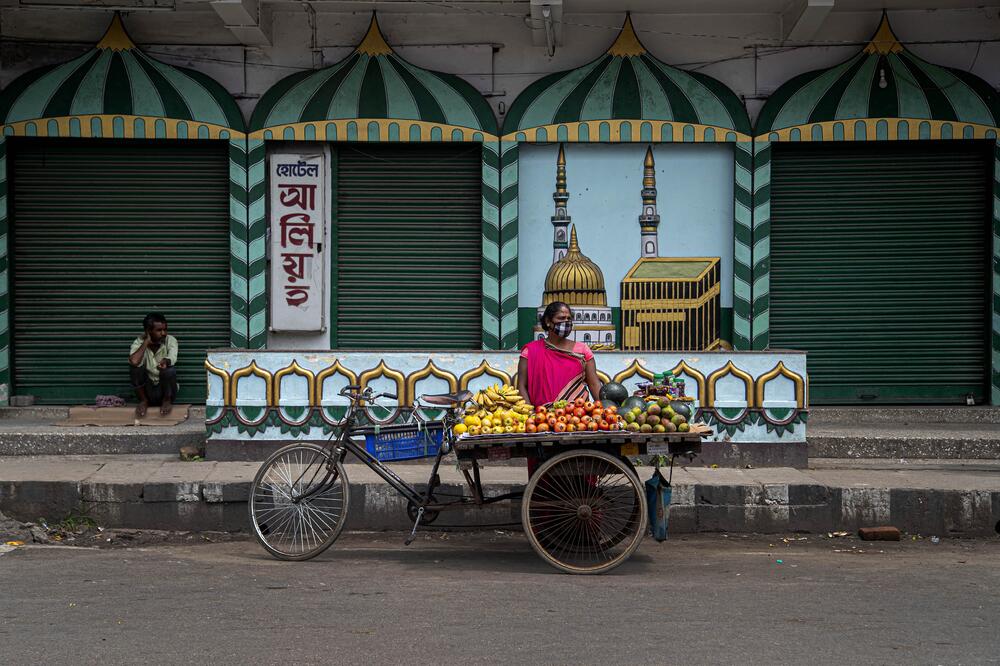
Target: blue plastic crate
[[394, 443]]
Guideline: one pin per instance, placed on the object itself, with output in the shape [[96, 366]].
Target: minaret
[[649, 220], [561, 219]]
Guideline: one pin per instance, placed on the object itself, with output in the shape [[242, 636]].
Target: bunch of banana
[[500, 396], [497, 409]]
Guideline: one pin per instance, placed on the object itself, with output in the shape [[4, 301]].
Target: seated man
[[152, 360]]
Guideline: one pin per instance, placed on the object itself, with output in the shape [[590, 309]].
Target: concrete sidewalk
[[944, 498]]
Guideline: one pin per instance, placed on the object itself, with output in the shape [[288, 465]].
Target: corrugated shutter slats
[[105, 232], [409, 247], [879, 268]]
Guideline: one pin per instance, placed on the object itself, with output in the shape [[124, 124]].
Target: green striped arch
[[373, 95], [882, 92], [627, 95]]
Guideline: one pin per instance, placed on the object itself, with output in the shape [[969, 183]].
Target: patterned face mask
[[563, 328]]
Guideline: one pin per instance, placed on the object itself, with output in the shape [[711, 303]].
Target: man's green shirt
[[168, 350]]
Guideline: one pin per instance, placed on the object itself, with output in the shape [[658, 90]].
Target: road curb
[[207, 504]]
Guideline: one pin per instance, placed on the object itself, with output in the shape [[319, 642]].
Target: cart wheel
[[298, 501], [584, 512]]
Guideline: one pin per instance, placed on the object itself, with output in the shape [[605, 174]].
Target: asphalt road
[[487, 598]]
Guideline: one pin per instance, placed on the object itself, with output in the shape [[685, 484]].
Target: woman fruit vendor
[[556, 367]]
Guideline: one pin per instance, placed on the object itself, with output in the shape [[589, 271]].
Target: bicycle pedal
[[413, 532]]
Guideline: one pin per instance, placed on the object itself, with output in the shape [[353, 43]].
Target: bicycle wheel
[[584, 512], [298, 501]]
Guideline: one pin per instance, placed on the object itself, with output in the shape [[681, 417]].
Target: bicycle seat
[[446, 399]]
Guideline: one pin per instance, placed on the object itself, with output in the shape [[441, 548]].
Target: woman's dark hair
[[153, 318], [553, 308]]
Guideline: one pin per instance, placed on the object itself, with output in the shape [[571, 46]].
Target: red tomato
[[552, 421], [597, 404], [543, 427], [579, 411], [560, 426], [598, 414], [603, 425], [579, 402], [531, 427], [570, 427], [589, 406], [540, 409], [592, 426], [560, 412], [611, 410], [562, 419]]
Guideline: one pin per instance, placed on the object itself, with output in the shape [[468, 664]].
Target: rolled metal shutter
[[879, 268], [105, 232], [407, 230]]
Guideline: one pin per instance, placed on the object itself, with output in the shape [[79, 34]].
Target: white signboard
[[298, 223]]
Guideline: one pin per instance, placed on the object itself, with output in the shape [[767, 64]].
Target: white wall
[[461, 40]]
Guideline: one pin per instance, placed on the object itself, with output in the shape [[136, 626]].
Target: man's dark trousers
[[155, 393]]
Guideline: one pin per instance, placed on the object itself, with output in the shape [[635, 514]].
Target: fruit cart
[[584, 507]]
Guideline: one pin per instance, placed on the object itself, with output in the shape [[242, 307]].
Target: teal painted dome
[[373, 83], [116, 78], [883, 80], [627, 83]]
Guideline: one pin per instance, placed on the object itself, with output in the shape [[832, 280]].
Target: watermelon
[[632, 403], [614, 392], [681, 408]]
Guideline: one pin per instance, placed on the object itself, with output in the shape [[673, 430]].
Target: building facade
[[818, 193]]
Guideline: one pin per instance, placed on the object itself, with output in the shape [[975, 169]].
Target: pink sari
[[555, 374]]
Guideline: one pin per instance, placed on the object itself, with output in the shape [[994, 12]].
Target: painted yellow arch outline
[[325, 373], [484, 368], [107, 121], [298, 370], [603, 376], [661, 131], [728, 369], [780, 369], [383, 370], [429, 370], [634, 369], [256, 371], [893, 125], [683, 367], [298, 130], [224, 376]]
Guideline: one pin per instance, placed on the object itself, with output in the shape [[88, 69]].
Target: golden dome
[[575, 279]]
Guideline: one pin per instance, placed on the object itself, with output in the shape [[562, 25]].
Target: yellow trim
[[374, 43], [627, 44], [635, 368], [298, 370], [594, 127], [218, 372], [383, 370], [427, 371], [335, 369], [603, 376], [115, 38], [913, 129], [256, 371], [484, 368], [299, 130], [19, 128], [729, 369], [884, 42], [780, 369], [691, 372]]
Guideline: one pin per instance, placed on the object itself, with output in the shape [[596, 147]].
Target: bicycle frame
[[345, 444]]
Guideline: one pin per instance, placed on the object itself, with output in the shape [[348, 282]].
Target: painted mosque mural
[[662, 297]]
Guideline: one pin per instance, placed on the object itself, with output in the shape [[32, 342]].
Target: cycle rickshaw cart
[[583, 509]]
